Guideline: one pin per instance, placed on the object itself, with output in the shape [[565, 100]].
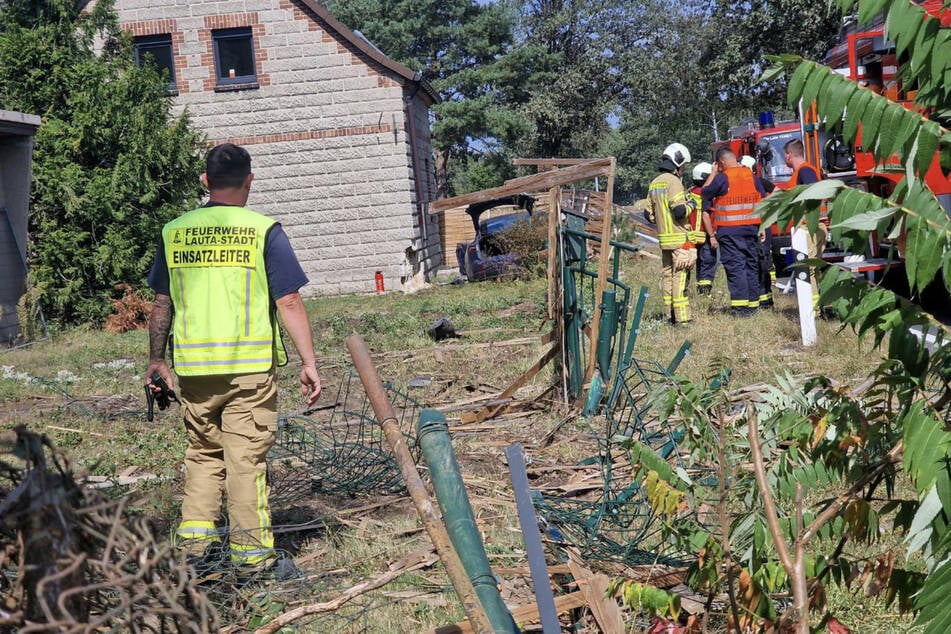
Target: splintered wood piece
[[594, 586], [524, 614], [347, 595], [488, 412]]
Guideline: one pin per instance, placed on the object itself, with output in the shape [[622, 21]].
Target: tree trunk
[[442, 173]]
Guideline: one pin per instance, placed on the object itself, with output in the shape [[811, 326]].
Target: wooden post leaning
[[386, 416], [603, 262]]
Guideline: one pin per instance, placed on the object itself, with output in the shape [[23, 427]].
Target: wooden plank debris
[[533, 183], [554, 219], [107, 482], [594, 586], [601, 284], [548, 163], [524, 571], [77, 431], [489, 412]]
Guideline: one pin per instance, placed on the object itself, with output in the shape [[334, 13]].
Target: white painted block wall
[[327, 133]]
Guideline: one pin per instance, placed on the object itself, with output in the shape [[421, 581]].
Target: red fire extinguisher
[[379, 282]]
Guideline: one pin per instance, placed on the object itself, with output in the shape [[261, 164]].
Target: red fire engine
[[865, 56]]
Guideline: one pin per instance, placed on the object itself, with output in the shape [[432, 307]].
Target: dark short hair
[[795, 147], [723, 151], [227, 166]]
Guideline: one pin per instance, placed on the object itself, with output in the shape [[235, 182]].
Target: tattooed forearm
[[160, 323]]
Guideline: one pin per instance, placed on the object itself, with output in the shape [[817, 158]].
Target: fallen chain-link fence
[[339, 448]]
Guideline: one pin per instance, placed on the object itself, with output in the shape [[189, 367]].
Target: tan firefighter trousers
[[231, 422], [674, 283]]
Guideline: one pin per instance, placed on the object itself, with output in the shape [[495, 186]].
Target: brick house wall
[[338, 134]]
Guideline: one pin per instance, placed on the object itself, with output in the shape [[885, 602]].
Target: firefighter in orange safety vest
[[732, 192], [670, 210], [804, 174]]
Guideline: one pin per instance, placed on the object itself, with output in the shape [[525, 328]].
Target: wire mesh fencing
[[339, 449], [617, 523]]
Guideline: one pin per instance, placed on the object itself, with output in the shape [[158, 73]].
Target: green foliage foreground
[[111, 164], [827, 504]]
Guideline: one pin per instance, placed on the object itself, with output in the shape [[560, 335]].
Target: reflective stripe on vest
[[224, 319], [736, 207], [670, 234], [697, 234]]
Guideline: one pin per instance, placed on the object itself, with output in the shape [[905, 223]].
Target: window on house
[[234, 57], [156, 50]]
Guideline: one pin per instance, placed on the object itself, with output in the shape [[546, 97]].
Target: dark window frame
[[142, 44], [222, 77]]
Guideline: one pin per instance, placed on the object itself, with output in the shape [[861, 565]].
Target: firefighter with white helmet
[[748, 162], [701, 171], [670, 209], [706, 234]]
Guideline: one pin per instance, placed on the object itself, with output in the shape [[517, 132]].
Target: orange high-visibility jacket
[[735, 208], [794, 180]]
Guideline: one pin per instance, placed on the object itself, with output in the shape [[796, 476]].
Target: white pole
[[807, 315]]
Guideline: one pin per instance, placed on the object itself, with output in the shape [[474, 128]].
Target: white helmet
[[677, 153], [701, 171], [748, 161]]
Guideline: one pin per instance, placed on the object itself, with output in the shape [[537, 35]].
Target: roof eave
[[370, 51]]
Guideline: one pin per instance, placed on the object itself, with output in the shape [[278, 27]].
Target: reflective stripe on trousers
[[740, 258], [196, 530], [676, 303]]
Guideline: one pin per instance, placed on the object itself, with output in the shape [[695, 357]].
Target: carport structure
[[558, 173], [17, 130]]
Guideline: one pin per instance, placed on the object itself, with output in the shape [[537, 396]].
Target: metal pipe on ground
[[533, 541], [433, 438], [386, 416]]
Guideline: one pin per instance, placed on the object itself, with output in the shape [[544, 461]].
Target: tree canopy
[[111, 163], [459, 45], [581, 78]]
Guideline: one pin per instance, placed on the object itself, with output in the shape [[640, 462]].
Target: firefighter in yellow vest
[[221, 275], [671, 211]]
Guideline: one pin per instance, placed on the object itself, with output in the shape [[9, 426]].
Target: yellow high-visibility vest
[[664, 192], [697, 233], [224, 321]]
